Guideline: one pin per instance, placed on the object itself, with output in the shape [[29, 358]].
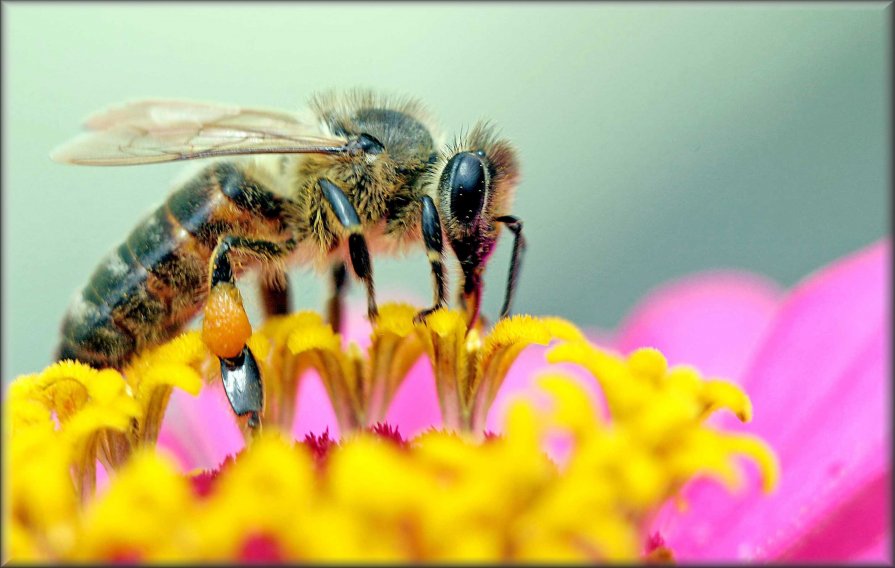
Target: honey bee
[[360, 174]]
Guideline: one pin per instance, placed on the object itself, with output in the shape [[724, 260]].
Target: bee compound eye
[[370, 145], [467, 182]]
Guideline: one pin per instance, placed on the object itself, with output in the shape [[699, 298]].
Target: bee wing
[[152, 131]]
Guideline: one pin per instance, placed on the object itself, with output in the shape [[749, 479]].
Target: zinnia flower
[[442, 456], [816, 365]]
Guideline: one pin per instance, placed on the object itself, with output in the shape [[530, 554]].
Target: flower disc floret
[[453, 494]]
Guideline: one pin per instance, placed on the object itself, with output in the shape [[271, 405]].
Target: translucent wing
[[152, 131]]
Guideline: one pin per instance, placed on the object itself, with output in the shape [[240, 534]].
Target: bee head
[[476, 179]]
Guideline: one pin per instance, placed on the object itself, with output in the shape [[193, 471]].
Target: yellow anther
[[648, 362], [722, 394]]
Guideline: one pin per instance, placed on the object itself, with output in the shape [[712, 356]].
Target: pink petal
[[827, 539], [712, 320], [355, 325], [200, 431], [880, 552], [102, 478], [314, 412], [415, 405], [819, 388]]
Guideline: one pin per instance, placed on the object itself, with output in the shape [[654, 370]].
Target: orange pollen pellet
[[226, 327]]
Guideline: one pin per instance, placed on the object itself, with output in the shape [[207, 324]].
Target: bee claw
[[242, 384], [254, 421], [421, 316], [372, 308]]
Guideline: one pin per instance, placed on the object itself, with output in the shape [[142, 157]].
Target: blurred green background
[[656, 140]]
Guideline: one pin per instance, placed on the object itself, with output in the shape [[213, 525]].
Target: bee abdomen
[[89, 335], [139, 295], [146, 290]]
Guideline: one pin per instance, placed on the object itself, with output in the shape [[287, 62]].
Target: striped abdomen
[[150, 287]]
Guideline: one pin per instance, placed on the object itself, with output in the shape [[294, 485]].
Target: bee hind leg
[[357, 244], [226, 327]]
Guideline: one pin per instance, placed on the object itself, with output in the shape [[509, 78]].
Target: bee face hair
[[476, 178]]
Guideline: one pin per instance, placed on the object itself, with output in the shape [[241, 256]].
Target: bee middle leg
[[357, 244], [275, 297], [226, 328], [334, 305], [431, 228]]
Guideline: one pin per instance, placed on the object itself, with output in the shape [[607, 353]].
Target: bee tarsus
[[514, 224], [431, 228], [339, 278]]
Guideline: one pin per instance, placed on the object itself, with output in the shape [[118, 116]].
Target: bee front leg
[[357, 244], [431, 228], [514, 224], [226, 326]]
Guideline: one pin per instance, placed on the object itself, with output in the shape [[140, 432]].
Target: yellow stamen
[[145, 514], [443, 496]]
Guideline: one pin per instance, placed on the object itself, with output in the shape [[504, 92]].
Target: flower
[[361, 489], [815, 363], [450, 494], [819, 373]]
